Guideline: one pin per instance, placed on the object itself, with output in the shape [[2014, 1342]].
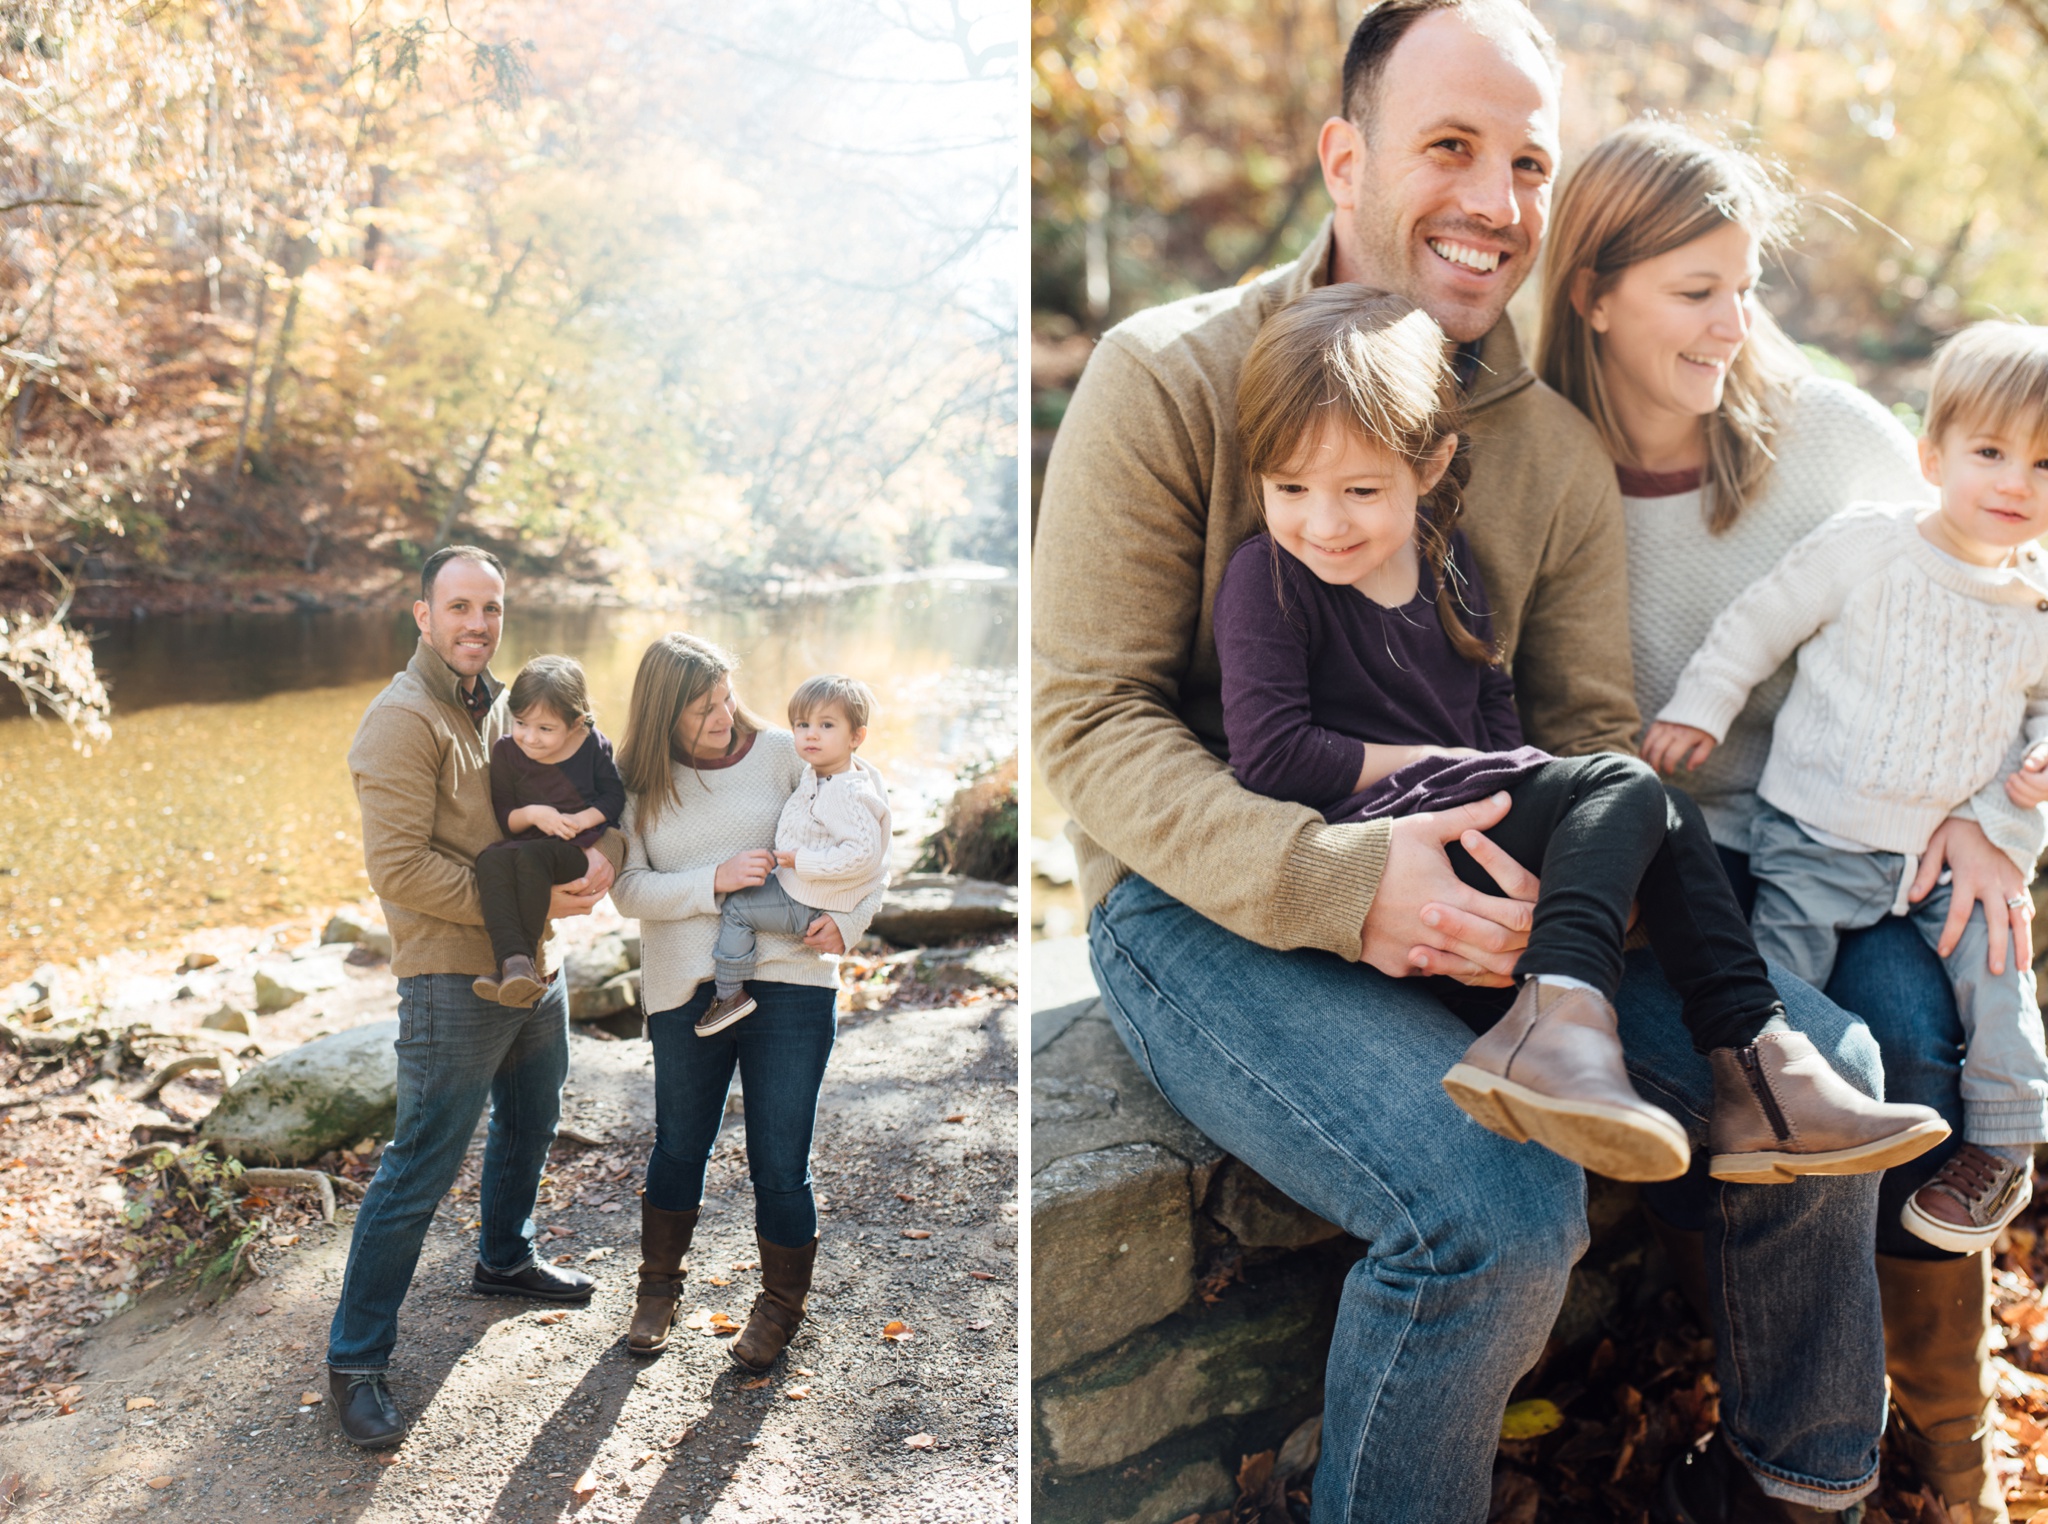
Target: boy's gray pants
[[1808, 893], [765, 907]]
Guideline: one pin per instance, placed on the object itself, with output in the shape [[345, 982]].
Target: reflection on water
[[224, 798]]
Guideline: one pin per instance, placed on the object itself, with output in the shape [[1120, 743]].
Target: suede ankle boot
[[1937, 1349], [664, 1240], [785, 1283]]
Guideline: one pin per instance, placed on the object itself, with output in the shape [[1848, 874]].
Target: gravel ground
[[524, 1412]]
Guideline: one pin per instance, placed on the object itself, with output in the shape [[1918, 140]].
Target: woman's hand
[[1982, 875], [823, 935], [1425, 920], [744, 871], [1669, 747], [2027, 785]]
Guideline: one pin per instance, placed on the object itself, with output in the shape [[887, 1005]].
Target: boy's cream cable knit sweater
[[721, 812], [1920, 682], [838, 827]]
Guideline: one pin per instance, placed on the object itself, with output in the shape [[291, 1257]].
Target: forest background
[[1173, 152], [653, 298]]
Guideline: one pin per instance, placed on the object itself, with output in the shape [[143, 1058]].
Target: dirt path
[[917, 1132]]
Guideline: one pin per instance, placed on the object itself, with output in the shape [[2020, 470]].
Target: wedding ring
[[2017, 902]]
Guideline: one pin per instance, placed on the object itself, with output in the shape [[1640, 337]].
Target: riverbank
[[119, 1386]]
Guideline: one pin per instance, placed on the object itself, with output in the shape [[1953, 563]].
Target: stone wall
[[1181, 1306]]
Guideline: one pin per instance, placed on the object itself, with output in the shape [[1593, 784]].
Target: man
[[1251, 955], [421, 763]]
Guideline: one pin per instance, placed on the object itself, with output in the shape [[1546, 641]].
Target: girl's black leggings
[[1600, 832], [514, 880]]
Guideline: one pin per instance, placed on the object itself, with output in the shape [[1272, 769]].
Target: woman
[[705, 783], [1729, 449]]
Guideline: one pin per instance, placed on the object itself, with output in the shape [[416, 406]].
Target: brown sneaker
[[1966, 1206], [724, 1013], [1550, 1071], [520, 983], [1781, 1111]]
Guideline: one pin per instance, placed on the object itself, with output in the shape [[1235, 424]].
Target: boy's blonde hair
[[852, 695], [1992, 376]]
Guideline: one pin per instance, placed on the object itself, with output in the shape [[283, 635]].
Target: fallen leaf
[[161, 1482], [745, 1264], [284, 1243], [140, 1402], [917, 1233], [700, 1320], [551, 1317], [718, 1280], [981, 1275], [896, 1331], [755, 1386], [979, 1327], [388, 1458], [264, 1312], [905, 1196], [309, 1399], [919, 1442], [797, 1393], [686, 1432], [805, 1370], [563, 1259], [584, 1488], [609, 1206], [1531, 1419], [595, 1255], [722, 1325], [958, 1116], [557, 1231], [641, 1459]]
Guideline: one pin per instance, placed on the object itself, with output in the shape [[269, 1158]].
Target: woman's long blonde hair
[[1644, 190], [675, 672], [1376, 365]]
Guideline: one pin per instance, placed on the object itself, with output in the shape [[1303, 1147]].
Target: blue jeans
[[455, 1052], [1325, 1077], [1891, 978], [780, 1051]]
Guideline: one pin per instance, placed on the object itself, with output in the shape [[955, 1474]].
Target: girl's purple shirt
[[1313, 672]]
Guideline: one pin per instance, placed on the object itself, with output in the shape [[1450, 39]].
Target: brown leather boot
[[1781, 1111], [1550, 1070], [664, 1240], [785, 1282], [1937, 1348]]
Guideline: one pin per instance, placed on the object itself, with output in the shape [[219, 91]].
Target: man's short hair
[[447, 553], [1381, 28], [1993, 376]]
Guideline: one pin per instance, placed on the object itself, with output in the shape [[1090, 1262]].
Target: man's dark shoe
[[1712, 1486], [539, 1280], [368, 1415]]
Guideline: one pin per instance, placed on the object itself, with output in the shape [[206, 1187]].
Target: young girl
[[1359, 678], [556, 791]]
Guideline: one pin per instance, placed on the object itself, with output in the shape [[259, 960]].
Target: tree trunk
[[249, 387], [460, 500], [277, 363]]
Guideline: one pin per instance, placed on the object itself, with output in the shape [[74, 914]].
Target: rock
[[231, 1018], [1053, 859], [348, 926], [630, 940], [1258, 1216], [17, 998], [619, 993], [1258, 1348], [971, 967], [376, 941], [1112, 1249], [281, 987], [1087, 1094], [932, 909], [195, 961], [293, 1108], [589, 967]]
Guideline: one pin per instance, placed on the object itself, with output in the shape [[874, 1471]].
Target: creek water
[[224, 797]]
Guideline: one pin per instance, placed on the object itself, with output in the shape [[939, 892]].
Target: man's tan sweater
[[422, 770], [1146, 498]]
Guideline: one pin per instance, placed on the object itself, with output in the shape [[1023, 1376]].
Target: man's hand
[[785, 859], [823, 934], [1669, 747], [2028, 784], [1425, 920], [575, 898], [1982, 875], [598, 880], [744, 871]]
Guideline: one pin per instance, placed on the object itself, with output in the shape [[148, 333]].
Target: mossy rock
[[293, 1108]]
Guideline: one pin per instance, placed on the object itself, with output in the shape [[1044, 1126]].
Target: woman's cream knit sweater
[[1920, 681], [721, 812]]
